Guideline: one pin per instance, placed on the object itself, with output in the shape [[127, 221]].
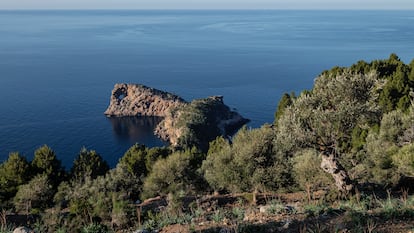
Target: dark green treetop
[[88, 163]]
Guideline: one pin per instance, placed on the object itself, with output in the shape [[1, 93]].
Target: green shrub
[[139, 159], [106, 198], [389, 150], [276, 207], [307, 171], [237, 213], [316, 209], [218, 216], [247, 164], [403, 159], [95, 228], [61, 230], [173, 174], [119, 215], [37, 194]]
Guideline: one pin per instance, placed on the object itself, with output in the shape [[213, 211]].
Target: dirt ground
[[256, 221]]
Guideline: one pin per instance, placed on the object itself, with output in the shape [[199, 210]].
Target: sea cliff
[[140, 100]]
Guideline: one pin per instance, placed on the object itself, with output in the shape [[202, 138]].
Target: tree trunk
[[255, 192], [332, 166]]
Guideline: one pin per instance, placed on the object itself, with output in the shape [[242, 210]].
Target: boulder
[[23, 230]]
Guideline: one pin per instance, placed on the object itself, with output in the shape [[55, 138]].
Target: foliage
[[119, 213], [307, 171], [389, 150], [372, 154], [325, 117], [36, 194], [51, 220], [88, 163], [106, 197], [139, 159], [362, 116], [395, 93], [324, 120], [46, 162], [403, 159], [14, 171], [95, 228], [217, 168], [284, 102], [6, 229], [198, 117], [248, 164], [358, 138], [316, 209], [173, 174], [198, 122], [159, 220]]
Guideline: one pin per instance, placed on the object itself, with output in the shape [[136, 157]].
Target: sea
[[57, 68]]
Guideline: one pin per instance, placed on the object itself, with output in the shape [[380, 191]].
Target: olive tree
[[324, 118]]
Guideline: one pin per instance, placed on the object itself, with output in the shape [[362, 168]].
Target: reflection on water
[[136, 130]]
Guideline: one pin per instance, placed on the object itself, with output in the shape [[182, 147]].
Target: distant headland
[[184, 123]]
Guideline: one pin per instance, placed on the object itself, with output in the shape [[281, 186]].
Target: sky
[[207, 4]]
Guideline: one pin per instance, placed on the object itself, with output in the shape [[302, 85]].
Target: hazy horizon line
[[207, 9]]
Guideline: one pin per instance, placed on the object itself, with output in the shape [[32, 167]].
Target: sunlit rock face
[[139, 100]]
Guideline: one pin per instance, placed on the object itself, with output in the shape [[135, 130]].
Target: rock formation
[[184, 124], [139, 100], [23, 230]]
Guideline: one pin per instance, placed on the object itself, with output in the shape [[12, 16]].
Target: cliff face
[[139, 100], [184, 124]]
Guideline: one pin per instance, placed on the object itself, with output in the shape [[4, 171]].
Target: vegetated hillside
[[199, 122], [339, 157]]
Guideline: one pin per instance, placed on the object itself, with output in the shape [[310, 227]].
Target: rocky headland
[[184, 123]]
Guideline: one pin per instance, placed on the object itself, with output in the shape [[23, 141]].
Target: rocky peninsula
[[184, 123]]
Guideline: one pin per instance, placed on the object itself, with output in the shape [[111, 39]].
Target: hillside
[[338, 158]]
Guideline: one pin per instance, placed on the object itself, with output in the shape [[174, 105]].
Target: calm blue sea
[[57, 68]]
